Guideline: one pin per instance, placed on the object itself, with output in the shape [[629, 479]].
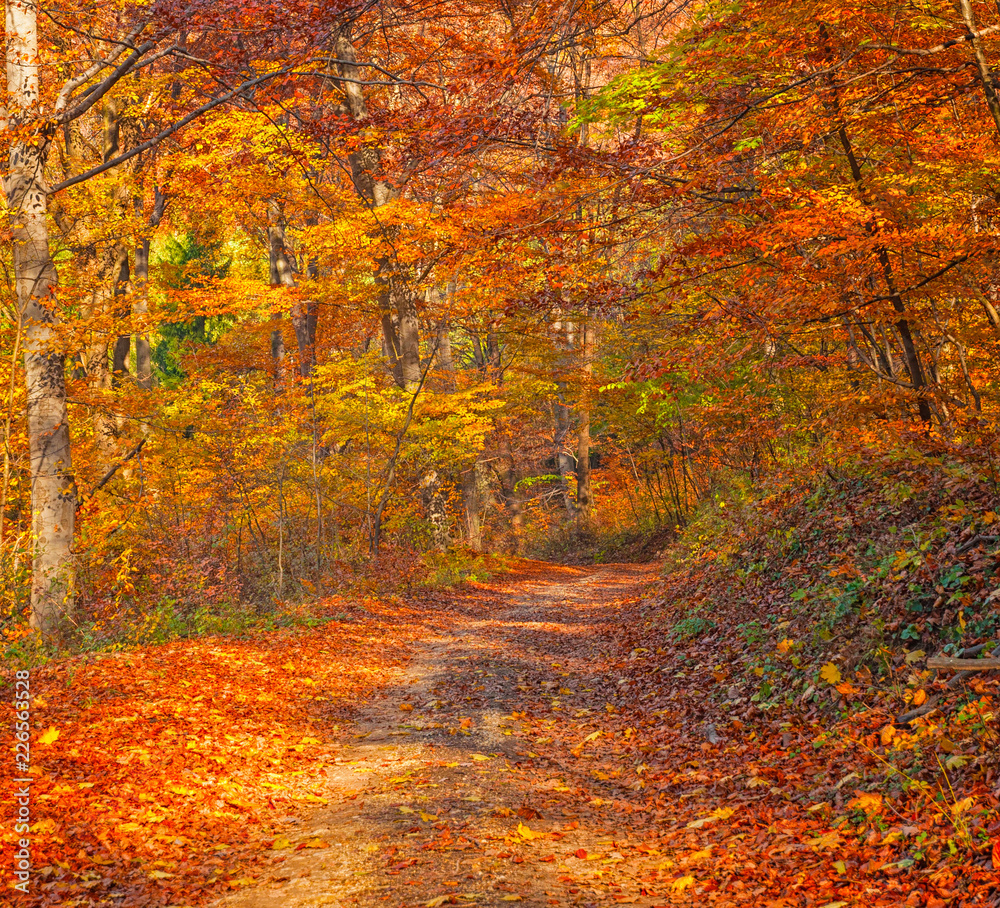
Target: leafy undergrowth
[[156, 772], [799, 626]]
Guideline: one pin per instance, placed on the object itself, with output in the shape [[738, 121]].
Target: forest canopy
[[293, 287]]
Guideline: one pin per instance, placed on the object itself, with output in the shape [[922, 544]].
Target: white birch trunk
[[53, 491]]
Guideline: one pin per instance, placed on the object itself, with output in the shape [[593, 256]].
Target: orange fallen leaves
[[213, 737]]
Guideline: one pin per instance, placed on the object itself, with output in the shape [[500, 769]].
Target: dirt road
[[448, 794]]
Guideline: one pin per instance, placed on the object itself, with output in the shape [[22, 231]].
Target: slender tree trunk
[[437, 513], [910, 354], [277, 273], [982, 64], [446, 362], [902, 324], [584, 491], [140, 297], [472, 503], [397, 301], [564, 460], [53, 490]]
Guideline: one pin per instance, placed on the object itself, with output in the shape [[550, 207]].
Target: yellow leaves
[[919, 698], [963, 806], [281, 843], [866, 801], [830, 673], [697, 856], [480, 758], [828, 840], [682, 883], [578, 750], [49, 736], [722, 813], [159, 875], [785, 646], [527, 834], [428, 817], [181, 790]]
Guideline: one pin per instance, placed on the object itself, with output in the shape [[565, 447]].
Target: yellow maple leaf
[[682, 883], [830, 673], [49, 736], [527, 834]]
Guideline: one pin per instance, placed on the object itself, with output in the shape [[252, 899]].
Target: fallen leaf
[[830, 673], [527, 834], [827, 840]]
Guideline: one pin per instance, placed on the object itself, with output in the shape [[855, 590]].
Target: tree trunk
[[437, 512], [584, 492], [140, 298], [910, 354], [396, 299], [564, 460], [53, 491], [472, 505], [982, 64], [283, 274]]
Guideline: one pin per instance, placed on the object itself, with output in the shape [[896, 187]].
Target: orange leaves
[[188, 748]]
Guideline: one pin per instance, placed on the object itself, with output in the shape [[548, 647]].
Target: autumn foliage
[[308, 303]]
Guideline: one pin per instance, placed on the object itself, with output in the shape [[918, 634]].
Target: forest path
[[470, 781]]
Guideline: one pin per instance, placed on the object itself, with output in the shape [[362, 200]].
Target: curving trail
[[526, 756], [426, 801]]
